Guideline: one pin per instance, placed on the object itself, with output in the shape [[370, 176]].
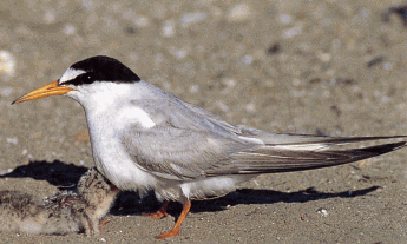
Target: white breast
[[106, 121]]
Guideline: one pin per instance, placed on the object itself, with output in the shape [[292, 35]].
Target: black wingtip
[[381, 149]]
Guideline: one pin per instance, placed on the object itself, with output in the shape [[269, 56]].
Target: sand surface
[[326, 67]]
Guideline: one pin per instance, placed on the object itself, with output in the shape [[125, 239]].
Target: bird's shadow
[[66, 177], [57, 173], [128, 203]]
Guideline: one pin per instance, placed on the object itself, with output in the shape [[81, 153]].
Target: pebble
[[229, 82], [141, 22], [297, 82], [247, 60], [6, 91], [291, 32], [251, 107], [7, 63], [13, 140], [387, 66], [239, 13], [49, 17], [169, 28], [189, 19], [324, 56], [194, 89], [178, 53], [69, 29], [285, 19]]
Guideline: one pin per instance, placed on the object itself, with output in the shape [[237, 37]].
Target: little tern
[[144, 138]]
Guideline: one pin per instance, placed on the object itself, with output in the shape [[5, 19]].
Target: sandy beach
[[332, 68]]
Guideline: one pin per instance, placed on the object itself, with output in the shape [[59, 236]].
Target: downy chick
[[63, 212]]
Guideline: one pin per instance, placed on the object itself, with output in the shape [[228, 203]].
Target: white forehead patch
[[70, 74]]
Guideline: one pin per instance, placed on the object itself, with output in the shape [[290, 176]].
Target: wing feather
[[189, 143]]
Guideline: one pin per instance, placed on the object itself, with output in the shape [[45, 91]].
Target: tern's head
[[83, 74]]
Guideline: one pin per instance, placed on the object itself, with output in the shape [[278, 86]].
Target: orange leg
[[102, 223], [161, 213], [175, 230]]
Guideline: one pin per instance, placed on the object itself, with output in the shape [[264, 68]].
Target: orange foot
[[168, 234], [175, 229], [102, 223], [161, 213], [156, 215]]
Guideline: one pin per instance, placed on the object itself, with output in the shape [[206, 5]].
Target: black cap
[[102, 69]]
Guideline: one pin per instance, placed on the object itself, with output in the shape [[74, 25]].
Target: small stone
[[251, 107], [324, 212], [13, 140], [6, 91], [239, 12], [194, 89], [247, 60], [285, 19], [7, 63], [291, 32], [324, 56], [387, 66], [229, 82], [69, 29], [189, 19], [49, 17], [297, 82], [141, 22], [178, 53], [169, 28]]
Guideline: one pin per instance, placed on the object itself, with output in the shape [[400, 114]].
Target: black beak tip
[[15, 102]]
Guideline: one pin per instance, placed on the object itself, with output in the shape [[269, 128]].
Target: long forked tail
[[314, 153]]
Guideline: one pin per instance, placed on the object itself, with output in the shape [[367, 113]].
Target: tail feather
[[271, 159]]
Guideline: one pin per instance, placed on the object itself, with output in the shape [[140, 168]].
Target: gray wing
[[189, 143]]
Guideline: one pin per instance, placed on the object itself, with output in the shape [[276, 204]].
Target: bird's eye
[[86, 78]]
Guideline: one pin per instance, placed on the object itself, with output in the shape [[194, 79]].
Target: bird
[[146, 139], [63, 212], [99, 195]]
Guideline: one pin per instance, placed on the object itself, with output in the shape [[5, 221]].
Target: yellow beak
[[44, 91]]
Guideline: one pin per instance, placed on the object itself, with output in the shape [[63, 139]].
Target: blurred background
[[333, 68]]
